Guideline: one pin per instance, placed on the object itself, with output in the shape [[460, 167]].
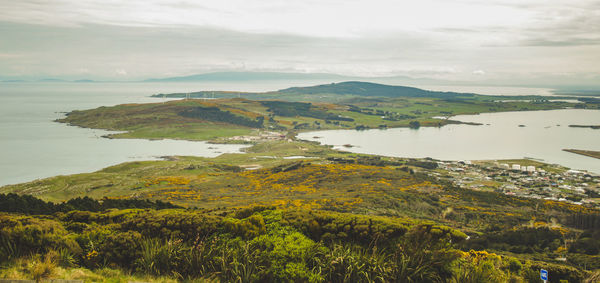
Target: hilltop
[[368, 89], [322, 92]]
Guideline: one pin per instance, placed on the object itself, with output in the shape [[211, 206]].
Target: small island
[[594, 127]]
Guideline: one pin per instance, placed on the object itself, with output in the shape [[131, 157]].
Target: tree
[[414, 124]]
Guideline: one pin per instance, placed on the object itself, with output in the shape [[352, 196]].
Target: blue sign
[[544, 274]]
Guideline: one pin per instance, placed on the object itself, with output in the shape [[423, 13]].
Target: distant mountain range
[[579, 90], [48, 80], [251, 76], [245, 76]]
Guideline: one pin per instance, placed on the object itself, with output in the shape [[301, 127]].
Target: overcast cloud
[[538, 41]]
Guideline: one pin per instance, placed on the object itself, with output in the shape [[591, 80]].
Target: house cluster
[[262, 136], [553, 183]]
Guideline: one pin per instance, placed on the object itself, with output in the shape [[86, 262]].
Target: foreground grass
[[31, 269], [257, 244]]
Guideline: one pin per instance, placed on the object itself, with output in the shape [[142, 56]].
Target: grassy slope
[[317, 183]]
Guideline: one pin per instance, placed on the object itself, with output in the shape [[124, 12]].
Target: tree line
[[28, 204]]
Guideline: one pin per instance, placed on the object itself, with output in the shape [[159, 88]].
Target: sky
[[518, 42]]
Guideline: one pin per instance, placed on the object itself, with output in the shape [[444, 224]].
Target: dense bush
[[217, 115], [305, 109], [186, 225], [258, 244], [23, 235], [525, 240], [31, 205]]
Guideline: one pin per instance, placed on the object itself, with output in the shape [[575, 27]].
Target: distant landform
[[334, 92], [319, 92], [240, 76], [250, 76], [594, 127], [589, 153]]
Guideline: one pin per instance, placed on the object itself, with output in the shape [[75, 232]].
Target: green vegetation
[[350, 105], [215, 114], [258, 244], [295, 109], [30, 205]]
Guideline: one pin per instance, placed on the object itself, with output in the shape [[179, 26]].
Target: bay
[[33, 146], [542, 136]]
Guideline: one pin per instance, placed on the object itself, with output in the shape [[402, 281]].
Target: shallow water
[[544, 135]]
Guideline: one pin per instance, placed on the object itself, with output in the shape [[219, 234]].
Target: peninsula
[[226, 116], [590, 153]]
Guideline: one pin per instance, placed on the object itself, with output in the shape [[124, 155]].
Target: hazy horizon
[[533, 42]]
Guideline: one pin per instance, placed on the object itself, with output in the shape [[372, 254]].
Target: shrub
[[160, 257], [424, 255], [352, 263], [248, 228], [121, 249], [24, 235], [40, 269], [200, 259], [167, 224]]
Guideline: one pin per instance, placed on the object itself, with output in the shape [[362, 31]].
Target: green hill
[[312, 93], [370, 89]]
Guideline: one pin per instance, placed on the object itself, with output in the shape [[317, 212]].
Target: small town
[[550, 182]]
